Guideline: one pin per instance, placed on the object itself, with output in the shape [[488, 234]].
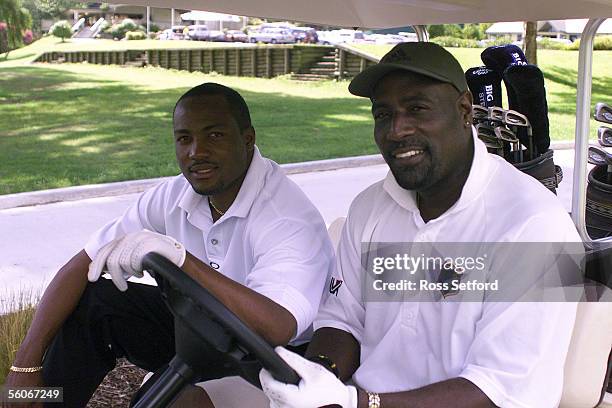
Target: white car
[[272, 35], [198, 32], [342, 37]]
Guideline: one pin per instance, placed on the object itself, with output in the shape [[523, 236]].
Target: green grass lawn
[[65, 125], [74, 124]]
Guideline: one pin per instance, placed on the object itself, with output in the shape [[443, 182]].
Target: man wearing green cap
[[443, 187]]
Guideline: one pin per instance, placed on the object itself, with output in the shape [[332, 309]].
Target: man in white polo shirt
[[232, 220], [443, 186]]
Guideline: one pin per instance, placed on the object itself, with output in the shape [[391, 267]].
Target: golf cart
[[199, 316]]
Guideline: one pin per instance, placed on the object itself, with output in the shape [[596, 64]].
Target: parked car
[[305, 34], [198, 32], [216, 35], [341, 37], [272, 35], [236, 36], [174, 33], [386, 38]]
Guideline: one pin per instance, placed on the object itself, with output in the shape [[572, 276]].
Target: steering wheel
[[208, 337]]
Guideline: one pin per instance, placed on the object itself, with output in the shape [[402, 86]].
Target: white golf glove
[[122, 257], [318, 386]]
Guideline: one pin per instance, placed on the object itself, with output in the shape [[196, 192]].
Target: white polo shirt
[[514, 352], [272, 239]]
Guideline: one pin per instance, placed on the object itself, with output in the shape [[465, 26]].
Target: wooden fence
[[255, 61]]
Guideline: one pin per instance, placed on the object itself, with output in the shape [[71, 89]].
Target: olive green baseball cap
[[425, 58]]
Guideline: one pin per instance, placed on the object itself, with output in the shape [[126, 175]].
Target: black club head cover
[[499, 57], [527, 82], [485, 85]]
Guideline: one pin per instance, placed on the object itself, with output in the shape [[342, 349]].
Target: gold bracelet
[[25, 369], [373, 400]]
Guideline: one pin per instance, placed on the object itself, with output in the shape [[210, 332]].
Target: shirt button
[[214, 241]]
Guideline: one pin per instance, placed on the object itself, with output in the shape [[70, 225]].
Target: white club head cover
[[318, 386], [122, 258]]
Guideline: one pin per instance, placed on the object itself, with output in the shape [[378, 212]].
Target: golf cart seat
[[589, 359]]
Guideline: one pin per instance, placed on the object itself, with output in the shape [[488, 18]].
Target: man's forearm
[[270, 320], [58, 301], [339, 347], [456, 392]]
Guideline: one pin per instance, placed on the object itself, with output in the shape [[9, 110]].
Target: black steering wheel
[[208, 337]]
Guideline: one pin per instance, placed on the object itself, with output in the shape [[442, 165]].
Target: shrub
[[61, 29], [105, 26], [601, 43], [153, 28], [28, 37], [446, 41], [548, 44], [503, 40], [119, 30], [135, 35]]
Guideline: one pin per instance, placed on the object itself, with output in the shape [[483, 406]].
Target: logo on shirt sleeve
[[334, 285]]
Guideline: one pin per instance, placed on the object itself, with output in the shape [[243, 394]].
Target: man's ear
[[249, 138], [464, 104]]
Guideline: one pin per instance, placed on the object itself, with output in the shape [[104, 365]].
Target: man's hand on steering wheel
[[318, 387], [122, 257]]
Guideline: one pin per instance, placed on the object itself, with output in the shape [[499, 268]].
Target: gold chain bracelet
[[373, 400], [25, 369]]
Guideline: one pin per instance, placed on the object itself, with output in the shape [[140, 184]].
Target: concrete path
[[36, 240]]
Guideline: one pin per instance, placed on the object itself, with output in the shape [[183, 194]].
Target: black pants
[[108, 324]]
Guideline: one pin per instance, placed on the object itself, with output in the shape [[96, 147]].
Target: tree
[[47, 9], [530, 45], [61, 29], [17, 20]]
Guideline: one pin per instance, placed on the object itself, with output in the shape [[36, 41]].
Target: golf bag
[[543, 169], [599, 204]]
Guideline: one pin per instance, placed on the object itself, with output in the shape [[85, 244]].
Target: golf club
[[496, 114], [509, 136], [486, 133], [518, 120], [603, 113], [600, 157], [479, 112], [604, 136]]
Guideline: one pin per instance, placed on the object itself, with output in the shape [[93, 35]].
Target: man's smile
[[202, 171], [408, 156]]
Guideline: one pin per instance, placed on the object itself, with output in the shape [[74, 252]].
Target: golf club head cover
[[527, 83], [485, 85], [500, 57]]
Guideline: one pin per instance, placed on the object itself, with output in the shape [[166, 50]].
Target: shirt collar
[[251, 186], [476, 183]]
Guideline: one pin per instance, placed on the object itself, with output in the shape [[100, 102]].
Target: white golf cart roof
[[397, 13], [417, 13]]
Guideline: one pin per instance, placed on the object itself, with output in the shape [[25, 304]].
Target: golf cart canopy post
[[396, 13]]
